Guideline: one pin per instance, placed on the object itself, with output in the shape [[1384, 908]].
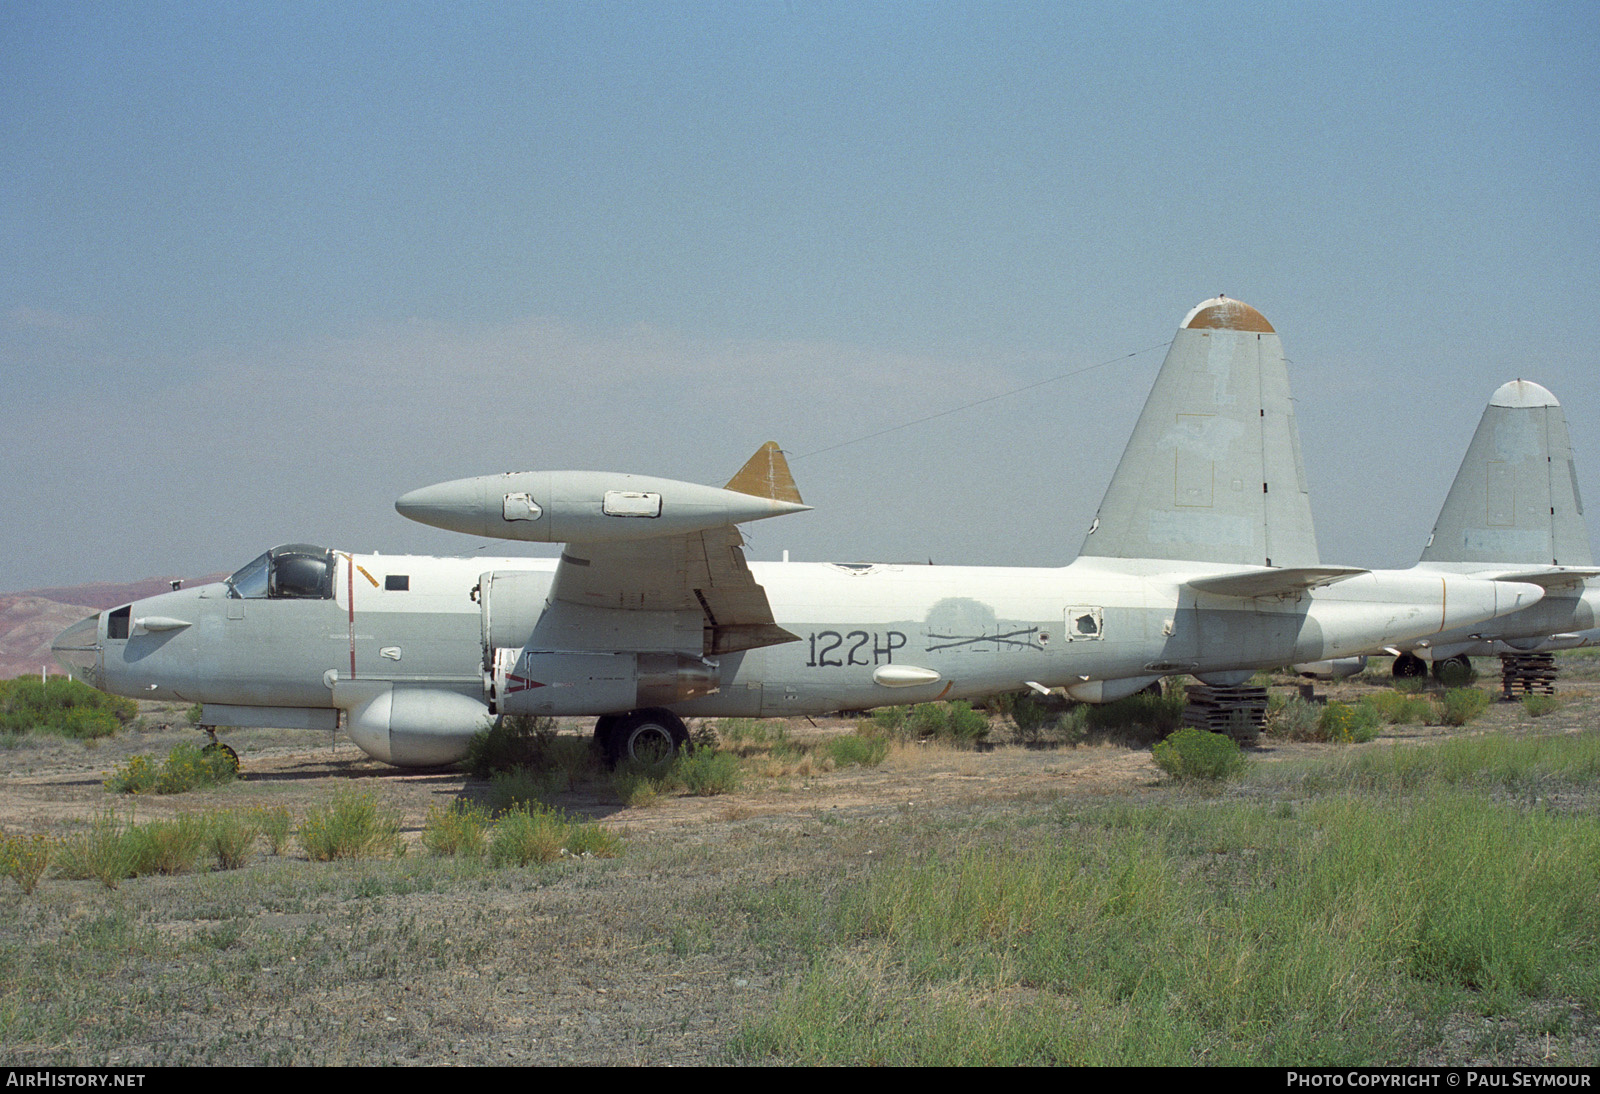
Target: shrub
[[528, 835], [951, 723], [230, 835], [856, 749], [354, 825], [515, 740], [64, 707], [539, 834], [1137, 719], [274, 823], [462, 829], [1198, 754], [523, 786], [1537, 706], [634, 787], [595, 840], [187, 767], [891, 719], [745, 734], [25, 858], [1292, 717], [1348, 723], [1027, 711], [1458, 706], [168, 846], [705, 774], [107, 852], [1399, 708]]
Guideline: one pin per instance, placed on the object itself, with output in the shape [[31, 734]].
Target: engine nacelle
[[416, 727], [600, 682]]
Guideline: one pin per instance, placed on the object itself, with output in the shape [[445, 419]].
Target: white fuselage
[[867, 635]]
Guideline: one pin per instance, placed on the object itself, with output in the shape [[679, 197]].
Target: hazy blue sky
[[265, 267]]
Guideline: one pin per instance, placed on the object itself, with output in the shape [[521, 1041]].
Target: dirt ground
[[645, 960]]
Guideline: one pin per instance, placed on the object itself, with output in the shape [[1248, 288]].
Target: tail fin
[[1213, 472], [766, 475], [1515, 499]]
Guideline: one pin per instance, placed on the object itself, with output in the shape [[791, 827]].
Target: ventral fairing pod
[[603, 507]]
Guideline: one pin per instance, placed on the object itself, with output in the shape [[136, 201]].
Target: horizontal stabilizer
[[1549, 577], [1283, 581]]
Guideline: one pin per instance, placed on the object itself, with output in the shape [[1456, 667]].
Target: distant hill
[[30, 620], [105, 594]]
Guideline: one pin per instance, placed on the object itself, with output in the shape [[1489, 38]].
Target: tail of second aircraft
[[1213, 471], [1515, 499]]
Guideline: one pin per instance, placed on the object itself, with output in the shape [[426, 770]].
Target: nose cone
[[77, 649]]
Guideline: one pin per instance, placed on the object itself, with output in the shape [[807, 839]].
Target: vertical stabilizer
[[1515, 499], [1212, 472]]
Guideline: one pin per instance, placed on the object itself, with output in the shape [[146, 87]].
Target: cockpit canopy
[[294, 571]]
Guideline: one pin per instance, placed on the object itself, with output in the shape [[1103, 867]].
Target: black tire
[[650, 738], [218, 746], [1408, 666]]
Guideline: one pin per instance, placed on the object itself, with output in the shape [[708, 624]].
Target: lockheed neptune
[[1202, 560]]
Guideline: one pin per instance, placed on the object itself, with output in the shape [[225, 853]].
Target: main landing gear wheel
[[650, 738], [1459, 666], [1408, 666]]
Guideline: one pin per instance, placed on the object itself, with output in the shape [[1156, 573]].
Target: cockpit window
[[295, 571], [250, 583]]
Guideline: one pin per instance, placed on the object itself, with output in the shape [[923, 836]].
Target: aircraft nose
[[77, 649]]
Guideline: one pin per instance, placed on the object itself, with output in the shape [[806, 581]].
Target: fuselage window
[[397, 583]]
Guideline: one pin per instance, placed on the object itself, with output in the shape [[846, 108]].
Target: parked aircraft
[[1202, 560], [1514, 511]]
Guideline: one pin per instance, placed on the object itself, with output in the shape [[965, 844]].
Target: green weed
[[856, 749], [187, 767], [353, 825], [1196, 754], [704, 773], [229, 837], [462, 829], [25, 858], [1458, 706], [63, 707]]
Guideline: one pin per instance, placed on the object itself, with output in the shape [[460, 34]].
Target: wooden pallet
[[1239, 712], [1529, 672]]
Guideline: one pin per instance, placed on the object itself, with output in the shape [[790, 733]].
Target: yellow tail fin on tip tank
[[766, 475]]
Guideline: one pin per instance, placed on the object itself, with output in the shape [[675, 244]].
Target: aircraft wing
[[1284, 581], [704, 572]]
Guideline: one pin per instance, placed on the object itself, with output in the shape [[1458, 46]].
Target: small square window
[[397, 583]]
